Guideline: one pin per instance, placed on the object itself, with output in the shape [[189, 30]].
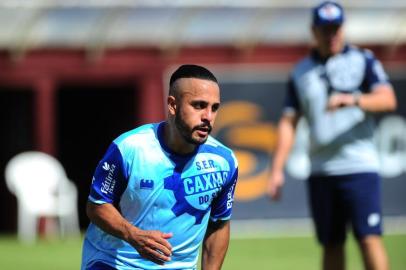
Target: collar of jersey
[[315, 55]]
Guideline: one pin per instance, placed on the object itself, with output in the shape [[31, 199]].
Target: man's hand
[[275, 183], [338, 100], [151, 245]]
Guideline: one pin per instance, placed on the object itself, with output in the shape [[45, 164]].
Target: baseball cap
[[328, 12]]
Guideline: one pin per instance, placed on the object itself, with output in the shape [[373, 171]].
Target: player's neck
[[175, 141], [327, 52]]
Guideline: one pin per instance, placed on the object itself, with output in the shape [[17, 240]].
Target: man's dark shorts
[[100, 266], [339, 201]]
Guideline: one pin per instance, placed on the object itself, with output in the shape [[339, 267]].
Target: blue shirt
[[341, 141], [156, 189]]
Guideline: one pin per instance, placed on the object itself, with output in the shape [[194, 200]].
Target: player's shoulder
[[366, 53], [369, 55], [303, 66], [212, 142], [137, 136], [215, 146]]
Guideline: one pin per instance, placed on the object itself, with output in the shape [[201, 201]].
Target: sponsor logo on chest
[[204, 182]]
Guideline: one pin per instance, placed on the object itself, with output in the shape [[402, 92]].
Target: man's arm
[[286, 137], [151, 245], [215, 244], [381, 99]]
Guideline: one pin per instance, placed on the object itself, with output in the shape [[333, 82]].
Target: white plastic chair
[[42, 189]]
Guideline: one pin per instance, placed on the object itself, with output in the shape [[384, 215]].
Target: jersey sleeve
[[222, 205], [291, 99], [374, 73], [110, 179]]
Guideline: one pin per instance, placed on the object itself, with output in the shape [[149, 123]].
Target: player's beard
[[187, 133]]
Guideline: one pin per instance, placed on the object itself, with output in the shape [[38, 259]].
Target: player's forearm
[[382, 99], [151, 245], [109, 219], [215, 245], [286, 138]]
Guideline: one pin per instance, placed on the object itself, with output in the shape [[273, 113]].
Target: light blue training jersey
[[156, 189], [341, 141]]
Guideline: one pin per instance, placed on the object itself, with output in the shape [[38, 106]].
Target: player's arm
[[109, 182], [381, 99], [215, 244], [151, 245], [286, 137]]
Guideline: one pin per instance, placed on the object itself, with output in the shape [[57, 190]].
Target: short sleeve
[[291, 100], [374, 73], [222, 205], [109, 180]]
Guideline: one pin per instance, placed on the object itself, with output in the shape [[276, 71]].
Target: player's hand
[[274, 186], [339, 100], [152, 245]]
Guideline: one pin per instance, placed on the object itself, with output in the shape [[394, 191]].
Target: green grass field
[[270, 253], [301, 253]]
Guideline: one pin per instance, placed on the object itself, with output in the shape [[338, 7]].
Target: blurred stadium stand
[[75, 74], [116, 23]]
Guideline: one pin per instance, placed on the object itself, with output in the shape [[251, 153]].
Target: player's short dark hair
[[191, 71]]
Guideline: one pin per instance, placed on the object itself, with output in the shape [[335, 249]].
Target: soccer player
[[336, 88], [163, 189]]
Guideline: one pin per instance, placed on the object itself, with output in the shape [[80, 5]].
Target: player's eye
[[215, 107], [199, 105]]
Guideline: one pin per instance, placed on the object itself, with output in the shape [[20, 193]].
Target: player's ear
[[172, 105], [313, 28]]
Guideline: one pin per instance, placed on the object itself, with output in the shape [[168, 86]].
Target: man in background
[[337, 88], [164, 188]]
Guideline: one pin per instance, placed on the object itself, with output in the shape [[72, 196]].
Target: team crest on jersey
[[197, 185], [146, 184]]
